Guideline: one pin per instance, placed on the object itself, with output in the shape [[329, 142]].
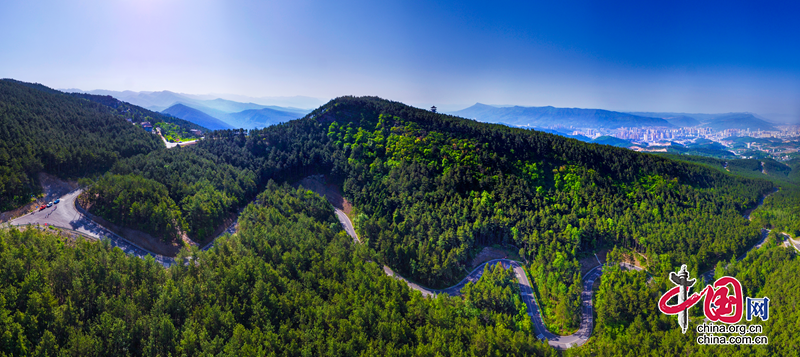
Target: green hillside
[[136, 113], [290, 283], [45, 130], [431, 190]]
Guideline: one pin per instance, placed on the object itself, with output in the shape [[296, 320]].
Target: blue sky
[[698, 56]]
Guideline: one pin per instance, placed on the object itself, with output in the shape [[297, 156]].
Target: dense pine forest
[[429, 192], [629, 323], [136, 113], [45, 130], [781, 210], [290, 283]]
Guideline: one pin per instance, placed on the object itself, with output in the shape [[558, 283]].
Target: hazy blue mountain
[[216, 113], [229, 106], [212, 105], [163, 99], [738, 121], [682, 121], [698, 116], [549, 116], [259, 118], [717, 122], [157, 101], [297, 101], [195, 116]]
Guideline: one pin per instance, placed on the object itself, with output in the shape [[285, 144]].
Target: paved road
[[172, 145], [66, 215], [789, 241], [557, 341]]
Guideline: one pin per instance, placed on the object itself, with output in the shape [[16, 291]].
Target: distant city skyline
[[709, 57]]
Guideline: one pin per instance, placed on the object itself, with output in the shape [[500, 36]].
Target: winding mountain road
[[587, 314], [66, 215], [526, 292]]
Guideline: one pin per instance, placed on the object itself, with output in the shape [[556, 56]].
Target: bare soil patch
[[634, 259], [331, 192], [495, 252], [52, 187], [589, 262]]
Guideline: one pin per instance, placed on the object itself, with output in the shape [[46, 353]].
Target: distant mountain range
[[682, 121], [549, 116], [195, 116], [163, 99], [717, 122], [216, 113], [259, 118]]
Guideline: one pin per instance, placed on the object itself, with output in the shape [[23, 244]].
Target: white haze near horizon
[[311, 103], [641, 57]]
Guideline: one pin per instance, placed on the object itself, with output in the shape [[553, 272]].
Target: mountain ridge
[[196, 116], [548, 115]]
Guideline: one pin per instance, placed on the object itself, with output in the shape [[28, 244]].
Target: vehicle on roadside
[[49, 203], [57, 200], [42, 207]]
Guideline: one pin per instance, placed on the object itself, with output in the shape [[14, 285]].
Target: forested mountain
[[781, 210], [290, 283], [137, 113], [431, 190], [42, 129], [195, 116], [549, 116], [205, 188]]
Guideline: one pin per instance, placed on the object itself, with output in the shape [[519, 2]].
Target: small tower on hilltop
[[433, 109]]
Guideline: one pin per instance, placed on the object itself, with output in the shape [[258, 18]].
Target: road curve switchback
[[526, 291], [67, 216]]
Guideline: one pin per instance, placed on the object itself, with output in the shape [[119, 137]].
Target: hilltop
[[47, 130]]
